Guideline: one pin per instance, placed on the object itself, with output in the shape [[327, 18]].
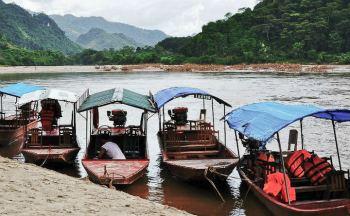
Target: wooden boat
[[131, 139], [51, 142], [191, 149], [312, 196], [14, 125]]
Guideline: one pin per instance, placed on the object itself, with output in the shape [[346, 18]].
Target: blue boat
[[191, 149], [14, 122], [308, 183]]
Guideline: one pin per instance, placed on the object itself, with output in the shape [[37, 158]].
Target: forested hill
[[34, 32], [275, 30], [76, 26]]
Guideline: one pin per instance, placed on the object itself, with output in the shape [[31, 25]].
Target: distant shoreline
[[252, 68]]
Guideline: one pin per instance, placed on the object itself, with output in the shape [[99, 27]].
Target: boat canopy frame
[[248, 119], [87, 103], [162, 97], [16, 90]]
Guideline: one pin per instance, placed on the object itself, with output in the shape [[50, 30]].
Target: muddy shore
[[31, 190], [253, 68]]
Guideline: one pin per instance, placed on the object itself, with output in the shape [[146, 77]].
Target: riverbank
[[252, 68], [31, 190]]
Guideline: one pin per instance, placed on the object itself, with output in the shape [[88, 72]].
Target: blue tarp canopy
[[261, 121], [164, 96], [19, 89]]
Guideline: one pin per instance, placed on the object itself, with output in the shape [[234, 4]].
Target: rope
[[47, 157], [107, 175], [212, 184]]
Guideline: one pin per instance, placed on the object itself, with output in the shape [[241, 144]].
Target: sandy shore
[[260, 68], [30, 190]]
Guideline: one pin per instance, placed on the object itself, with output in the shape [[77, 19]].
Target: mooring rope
[[212, 184], [107, 175], [47, 157]]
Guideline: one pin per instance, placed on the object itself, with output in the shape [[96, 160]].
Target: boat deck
[[119, 171], [49, 151]]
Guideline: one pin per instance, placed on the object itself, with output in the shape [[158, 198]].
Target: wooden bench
[[313, 188], [193, 153]]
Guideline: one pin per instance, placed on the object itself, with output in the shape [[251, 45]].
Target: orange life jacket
[[263, 161], [295, 161], [275, 186], [316, 169]]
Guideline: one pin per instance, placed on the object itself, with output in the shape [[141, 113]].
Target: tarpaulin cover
[[164, 96], [123, 96], [55, 94], [260, 121], [19, 89]]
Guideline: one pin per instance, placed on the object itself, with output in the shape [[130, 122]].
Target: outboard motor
[[179, 115], [118, 117]]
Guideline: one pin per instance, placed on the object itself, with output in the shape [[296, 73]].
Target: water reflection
[[236, 88]]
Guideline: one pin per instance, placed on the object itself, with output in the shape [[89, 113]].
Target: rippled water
[[236, 88]]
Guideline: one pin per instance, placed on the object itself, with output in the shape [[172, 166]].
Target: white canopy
[[55, 94]]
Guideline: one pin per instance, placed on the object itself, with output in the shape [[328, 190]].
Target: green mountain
[[35, 32], [76, 26], [275, 30], [98, 39]]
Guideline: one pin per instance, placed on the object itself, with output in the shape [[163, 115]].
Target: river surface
[[331, 90]]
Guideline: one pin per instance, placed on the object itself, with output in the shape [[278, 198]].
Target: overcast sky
[[174, 17]]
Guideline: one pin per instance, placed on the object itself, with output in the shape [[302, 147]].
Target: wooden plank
[[304, 189], [193, 153], [194, 146], [202, 163]]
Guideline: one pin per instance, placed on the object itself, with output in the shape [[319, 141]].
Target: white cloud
[[175, 17]]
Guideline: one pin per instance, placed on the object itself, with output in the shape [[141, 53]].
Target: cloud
[[175, 17]]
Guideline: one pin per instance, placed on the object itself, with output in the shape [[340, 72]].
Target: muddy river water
[[332, 90]]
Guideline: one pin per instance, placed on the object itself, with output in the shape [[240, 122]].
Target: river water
[[332, 90]]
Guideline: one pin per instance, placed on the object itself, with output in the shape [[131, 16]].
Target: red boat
[[191, 149], [291, 182], [51, 142], [131, 139], [14, 125]]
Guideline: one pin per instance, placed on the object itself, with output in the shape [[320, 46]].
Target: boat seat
[[35, 135], [192, 146], [337, 183], [293, 140], [313, 188], [185, 154], [65, 136]]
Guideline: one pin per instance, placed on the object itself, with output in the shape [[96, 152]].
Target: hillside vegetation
[[276, 30], [76, 26], [34, 32], [98, 39]]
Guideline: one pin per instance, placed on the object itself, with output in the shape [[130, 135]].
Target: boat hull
[[193, 170], [12, 140], [115, 172], [324, 207], [50, 155], [197, 173]]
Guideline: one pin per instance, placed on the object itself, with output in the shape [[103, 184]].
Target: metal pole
[[163, 117], [1, 106], [160, 121], [145, 127], [336, 143], [203, 103], [87, 128], [212, 112], [225, 125], [239, 155], [301, 134], [283, 167]]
